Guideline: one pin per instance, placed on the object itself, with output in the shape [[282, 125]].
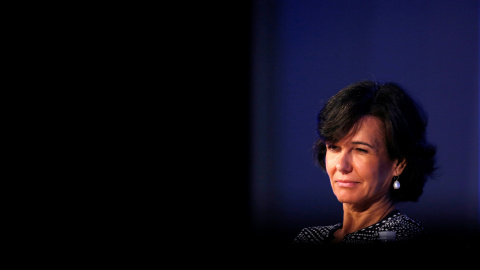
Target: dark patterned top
[[404, 228]]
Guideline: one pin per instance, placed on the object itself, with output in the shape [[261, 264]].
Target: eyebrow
[[364, 143]]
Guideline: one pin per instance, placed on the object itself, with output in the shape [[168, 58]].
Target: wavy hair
[[404, 122]]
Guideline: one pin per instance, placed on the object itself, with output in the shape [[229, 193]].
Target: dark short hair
[[404, 122]]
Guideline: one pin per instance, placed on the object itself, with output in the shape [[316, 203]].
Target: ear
[[401, 164]]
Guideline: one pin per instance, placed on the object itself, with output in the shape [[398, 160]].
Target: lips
[[346, 183]]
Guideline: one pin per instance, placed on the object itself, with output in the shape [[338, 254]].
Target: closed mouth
[[346, 183]]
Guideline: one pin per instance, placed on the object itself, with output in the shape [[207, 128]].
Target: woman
[[373, 147]]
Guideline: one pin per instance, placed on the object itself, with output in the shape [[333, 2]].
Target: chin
[[349, 199]]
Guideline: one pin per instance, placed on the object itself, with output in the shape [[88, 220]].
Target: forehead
[[369, 129]]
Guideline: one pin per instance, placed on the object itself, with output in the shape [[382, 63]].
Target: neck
[[355, 218]]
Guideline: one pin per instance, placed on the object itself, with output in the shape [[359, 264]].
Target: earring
[[396, 183]]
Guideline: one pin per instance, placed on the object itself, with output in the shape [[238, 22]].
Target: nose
[[344, 164]]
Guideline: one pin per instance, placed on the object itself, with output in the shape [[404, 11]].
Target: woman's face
[[359, 167]]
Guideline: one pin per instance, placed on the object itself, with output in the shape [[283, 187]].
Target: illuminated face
[[359, 167]]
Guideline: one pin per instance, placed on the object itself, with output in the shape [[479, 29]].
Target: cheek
[[368, 169], [377, 171], [363, 166], [329, 164], [386, 172]]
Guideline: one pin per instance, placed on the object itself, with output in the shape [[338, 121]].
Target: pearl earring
[[396, 183]]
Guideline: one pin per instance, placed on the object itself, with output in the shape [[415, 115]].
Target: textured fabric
[[406, 229]]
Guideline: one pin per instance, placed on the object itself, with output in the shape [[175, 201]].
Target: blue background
[[303, 52]]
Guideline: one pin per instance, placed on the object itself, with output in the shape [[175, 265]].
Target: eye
[[361, 150], [333, 148]]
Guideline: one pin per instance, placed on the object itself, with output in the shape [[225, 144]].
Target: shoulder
[[316, 234], [405, 226], [399, 219]]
